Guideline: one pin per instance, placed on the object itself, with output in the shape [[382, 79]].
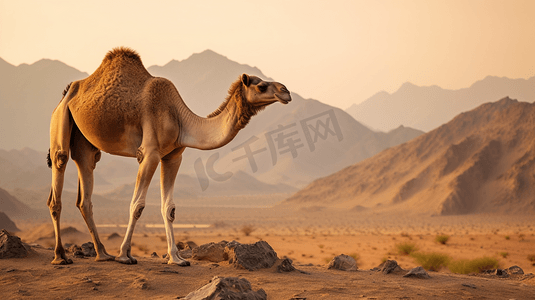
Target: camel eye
[[262, 88]]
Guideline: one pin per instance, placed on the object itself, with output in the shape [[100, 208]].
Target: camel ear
[[245, 79]]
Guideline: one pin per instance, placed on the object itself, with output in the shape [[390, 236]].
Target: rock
[[212, 252], [251, 256], [472, 286], [11, 246], [501, 273], [515, 270], [154, 255], [343, 262], [75, 250], [286, 266], [186, 253], [227, 288], [89, 249], [417, 272], [181, 246], [191, 244], [389, 266]]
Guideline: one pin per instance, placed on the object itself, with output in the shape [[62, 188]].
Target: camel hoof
[[62, 261], [181, 263], [126, 260], [105, 257]]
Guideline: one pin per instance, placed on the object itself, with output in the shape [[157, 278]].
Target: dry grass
[[433, 261], [467, 266], [406, 248], [442, 239]]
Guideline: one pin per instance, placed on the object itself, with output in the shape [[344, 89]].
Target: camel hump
[[122, 53]]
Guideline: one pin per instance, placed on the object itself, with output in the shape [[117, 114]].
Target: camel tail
[[48, 159]]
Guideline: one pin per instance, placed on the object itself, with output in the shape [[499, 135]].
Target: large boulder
[[227, 288], [11, 246], [214, 252], [343, 262], [251, 256]]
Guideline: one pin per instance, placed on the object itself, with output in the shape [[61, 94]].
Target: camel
[[123, 110]]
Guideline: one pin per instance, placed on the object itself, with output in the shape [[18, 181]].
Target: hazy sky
[[339, 52]]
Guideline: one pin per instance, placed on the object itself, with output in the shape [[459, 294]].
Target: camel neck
[[212, 132]]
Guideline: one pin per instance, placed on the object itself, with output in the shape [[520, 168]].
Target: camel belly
[[110, 134]]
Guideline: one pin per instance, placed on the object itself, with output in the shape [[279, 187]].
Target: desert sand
[[310, 238]]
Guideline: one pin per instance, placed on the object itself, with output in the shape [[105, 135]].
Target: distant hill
[[426, 108], [481, 161], [30, 93], [12, 206]]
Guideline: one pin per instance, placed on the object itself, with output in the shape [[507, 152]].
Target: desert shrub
[[442, 238], [406, 248], [504, 254], [507, 237], [531, 258], [466, 266], [431, 261], [247, 229]]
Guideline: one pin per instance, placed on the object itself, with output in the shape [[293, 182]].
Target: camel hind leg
[[86, 157], [169, 169], [60, 135]]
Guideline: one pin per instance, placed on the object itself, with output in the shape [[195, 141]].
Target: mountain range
[[29, 93], [481, 161], [426, 108]]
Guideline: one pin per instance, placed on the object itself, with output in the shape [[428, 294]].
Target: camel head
[[261, 93]]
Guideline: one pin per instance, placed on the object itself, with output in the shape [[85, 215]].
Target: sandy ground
[[310, 239]]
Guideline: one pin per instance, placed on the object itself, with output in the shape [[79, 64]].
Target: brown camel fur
[[123, 110]]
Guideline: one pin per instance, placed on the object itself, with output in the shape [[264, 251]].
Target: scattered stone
[[11, 246], [154, 255], [89, 249], [10, 270], [418, 272], [114, 235], [227, 288], [186, 253], [167, 270], [212, 252], [343, 262], [469, 285], [165, 255], [515, 270], [286, 266], [75, 250], [181, 246], [251, 256], [389, 266], [501, 273], [191, 244]]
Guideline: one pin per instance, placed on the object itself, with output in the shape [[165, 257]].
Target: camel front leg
[[169, 170], [148, 164]]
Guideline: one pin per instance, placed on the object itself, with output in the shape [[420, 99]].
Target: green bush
[[466, 266], [431, 261], [406, 248], [442, 238], [531, 257]]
